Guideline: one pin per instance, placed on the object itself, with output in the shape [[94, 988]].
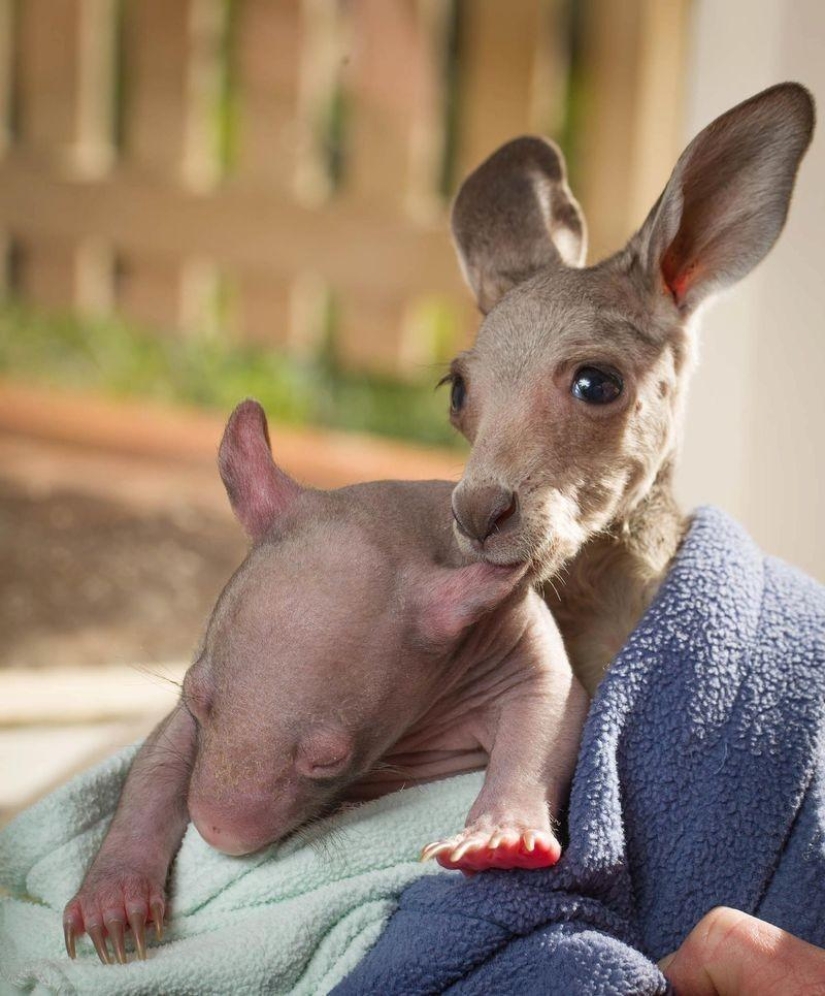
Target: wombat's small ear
[[451, 599], [515, 215], [727, 198], [259, 491]]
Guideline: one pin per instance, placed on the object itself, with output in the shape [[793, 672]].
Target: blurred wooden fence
[[272, 169]]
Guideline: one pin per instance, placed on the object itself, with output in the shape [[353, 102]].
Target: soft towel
[[294, 919], [699, 783]]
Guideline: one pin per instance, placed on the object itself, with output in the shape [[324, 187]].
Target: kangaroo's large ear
[[259, 491], [727, 199], [515, 215]]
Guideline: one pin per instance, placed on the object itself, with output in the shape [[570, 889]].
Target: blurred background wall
[[202, 200], [755, 440]]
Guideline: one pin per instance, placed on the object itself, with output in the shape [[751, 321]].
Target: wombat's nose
[[480, 512], [234, 830]]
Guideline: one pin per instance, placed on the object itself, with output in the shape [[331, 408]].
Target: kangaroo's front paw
[[503, 846], [110, 902]]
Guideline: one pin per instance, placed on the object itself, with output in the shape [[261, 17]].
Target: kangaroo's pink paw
[[108, 904], [475, 850]]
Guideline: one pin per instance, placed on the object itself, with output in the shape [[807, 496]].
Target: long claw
[[116, 930], [529, 838], [99, 941], [68, 937], [495, 840], [137, 922], [431, 850], [157, 916], [471, 844]]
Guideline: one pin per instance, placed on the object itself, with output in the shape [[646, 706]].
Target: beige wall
[[755, 436]]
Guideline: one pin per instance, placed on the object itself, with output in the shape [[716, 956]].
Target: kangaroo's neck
[[603, 592]]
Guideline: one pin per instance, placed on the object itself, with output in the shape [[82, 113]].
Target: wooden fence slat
[[611, 57], [94, 277], [551, 69], [156, 79], [94, 151], [264, 310], [48, 74], [7, 62], [392, 79], [268, 39], [369, 331], [155, 50], [148, 290], [200, 313], [630, 118], [202, 166], [382, 76], [47, 272], [657, 137], [497, 74], [425, 200], [320, 108]]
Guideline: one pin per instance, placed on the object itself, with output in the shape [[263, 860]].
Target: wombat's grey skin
[[354, 650]]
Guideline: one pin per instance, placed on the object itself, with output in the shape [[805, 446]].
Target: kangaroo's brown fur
[[583, 490]]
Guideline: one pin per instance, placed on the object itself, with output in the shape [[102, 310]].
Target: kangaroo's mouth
[[543, 555], [502, 550]]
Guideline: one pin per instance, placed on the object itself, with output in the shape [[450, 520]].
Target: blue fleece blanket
[[700, 782]]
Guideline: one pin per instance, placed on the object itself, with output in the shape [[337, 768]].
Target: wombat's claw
[[116, 932], [431, 850], [137, 923], [157, 916], [95, 931], [68, 937], [473, 851]]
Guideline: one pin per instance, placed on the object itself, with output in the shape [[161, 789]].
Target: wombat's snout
[[480, 512], [243, 827], [236, 815]]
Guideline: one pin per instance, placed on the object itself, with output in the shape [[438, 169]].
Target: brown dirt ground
[[86, 579]]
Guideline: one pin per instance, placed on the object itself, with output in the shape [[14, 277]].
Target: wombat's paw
[[505, 847], [109, 904]]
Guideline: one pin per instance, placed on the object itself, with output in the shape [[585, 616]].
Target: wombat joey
[[356, 650]]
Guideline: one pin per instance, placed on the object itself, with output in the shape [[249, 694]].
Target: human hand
[[729, 953]]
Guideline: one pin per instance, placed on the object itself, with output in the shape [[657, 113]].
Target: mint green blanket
[[294, 919]]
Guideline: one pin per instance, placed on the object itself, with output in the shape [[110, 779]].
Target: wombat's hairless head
[[333, 638], [572, 393]]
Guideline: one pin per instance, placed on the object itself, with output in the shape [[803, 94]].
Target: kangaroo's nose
[[480, 512]]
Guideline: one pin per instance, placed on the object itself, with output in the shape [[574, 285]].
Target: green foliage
[[121, 360]]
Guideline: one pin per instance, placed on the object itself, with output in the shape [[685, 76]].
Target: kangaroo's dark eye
[[596, 387], [458, 393]]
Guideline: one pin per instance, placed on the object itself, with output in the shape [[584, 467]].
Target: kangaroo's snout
[[481, 511]]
